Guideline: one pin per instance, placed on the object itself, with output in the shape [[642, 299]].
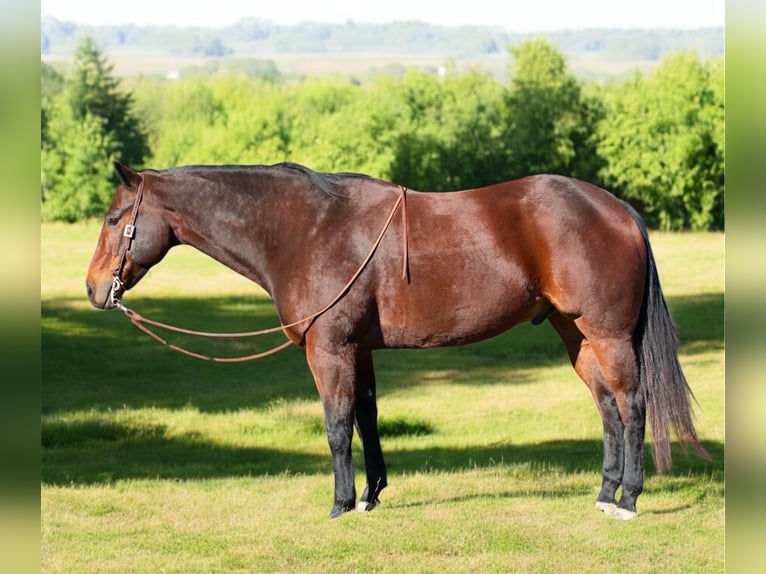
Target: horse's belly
[[470, 274], [444, 317]]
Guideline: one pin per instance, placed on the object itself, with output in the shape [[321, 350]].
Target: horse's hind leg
[[367, 427], [585, 364], [617, 361]]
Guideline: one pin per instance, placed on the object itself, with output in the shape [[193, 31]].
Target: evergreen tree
[[93, 90], [51, 86], [84, 129]]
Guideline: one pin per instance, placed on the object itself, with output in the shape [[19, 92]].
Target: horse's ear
[[128, 176]]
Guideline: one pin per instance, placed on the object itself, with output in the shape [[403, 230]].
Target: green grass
[[155, 462]]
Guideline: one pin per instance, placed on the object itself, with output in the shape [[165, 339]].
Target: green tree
[[475, 116], [184, 119], [355, 137], [416, 134], [94, 91], [447, 131], [76, 178], [315, 110], [51, 86], [551, 121], [259, 133], [662, 141], [85, 128]]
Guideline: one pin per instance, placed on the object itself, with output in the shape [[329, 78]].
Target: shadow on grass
[[98, 360], [101, 452]]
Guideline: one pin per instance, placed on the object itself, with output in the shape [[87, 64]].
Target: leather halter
[[126, 241]]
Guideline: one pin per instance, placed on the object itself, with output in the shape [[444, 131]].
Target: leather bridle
[[126, 241], [118, 287]]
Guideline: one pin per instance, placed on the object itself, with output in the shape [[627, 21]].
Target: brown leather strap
[[140, 322], [405, 238], [129, 232]]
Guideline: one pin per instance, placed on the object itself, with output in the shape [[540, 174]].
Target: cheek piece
[[126, 240]]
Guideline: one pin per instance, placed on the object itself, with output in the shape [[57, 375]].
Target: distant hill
[[262, 39]]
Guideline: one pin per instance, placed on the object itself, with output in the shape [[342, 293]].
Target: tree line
[[655, 139], [253, 36]]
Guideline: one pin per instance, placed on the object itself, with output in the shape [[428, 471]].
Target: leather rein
[[142, 323]]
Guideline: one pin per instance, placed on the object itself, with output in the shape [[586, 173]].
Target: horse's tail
[[662, 382]]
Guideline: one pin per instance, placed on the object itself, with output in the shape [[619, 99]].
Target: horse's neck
[[240, 231]]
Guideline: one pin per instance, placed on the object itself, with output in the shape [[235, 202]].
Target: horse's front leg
[[335, 377], [367, 427]]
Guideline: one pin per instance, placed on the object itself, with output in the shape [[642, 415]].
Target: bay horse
[[458, 268]]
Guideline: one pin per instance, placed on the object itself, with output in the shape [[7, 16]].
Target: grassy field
[[155, 462], [361, 66]]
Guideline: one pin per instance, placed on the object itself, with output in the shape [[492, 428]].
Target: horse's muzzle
[[104, 298]]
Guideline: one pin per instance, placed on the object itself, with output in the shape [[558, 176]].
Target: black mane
[[331, 184]]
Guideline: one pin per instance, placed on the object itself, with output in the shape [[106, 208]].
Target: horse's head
[[134, 237]]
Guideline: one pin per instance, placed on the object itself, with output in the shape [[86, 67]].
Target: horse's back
[[484, 260]]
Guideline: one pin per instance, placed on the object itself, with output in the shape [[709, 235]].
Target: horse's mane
[[329, 183], [332, 184]]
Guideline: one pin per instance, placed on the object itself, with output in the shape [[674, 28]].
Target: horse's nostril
[[90, 290]]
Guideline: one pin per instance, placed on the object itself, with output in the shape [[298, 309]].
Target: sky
[[511, 15]]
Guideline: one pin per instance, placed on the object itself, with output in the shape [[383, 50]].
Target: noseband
[[126, 240]]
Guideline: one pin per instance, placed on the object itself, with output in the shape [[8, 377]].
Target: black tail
[[663, 384]]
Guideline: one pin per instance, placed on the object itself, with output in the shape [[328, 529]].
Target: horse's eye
[[113, 221]]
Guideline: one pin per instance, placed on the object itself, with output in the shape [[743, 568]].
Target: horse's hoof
[[338, 510], [606, 507], [614, 511], [622, 513], [365, 506]]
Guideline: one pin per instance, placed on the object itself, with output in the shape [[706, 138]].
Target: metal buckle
[[117, 289], [130, 231]]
